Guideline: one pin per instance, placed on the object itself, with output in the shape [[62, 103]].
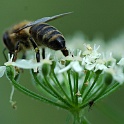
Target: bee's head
[[8, 42]]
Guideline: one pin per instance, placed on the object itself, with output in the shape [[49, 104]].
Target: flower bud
[[10, 72], [53, 65], [108, 79], [46, 69]]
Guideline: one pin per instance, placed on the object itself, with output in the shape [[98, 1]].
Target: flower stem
[[10, 75], [88, 92], [61, 88], [109, 91], [78, 118], [34, 75], [85, 80], [76, 88], [70, 85], [34, 95], [56, 93]]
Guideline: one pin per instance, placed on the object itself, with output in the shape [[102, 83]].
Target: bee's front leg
[[34, 44], [16, 51], [43, 53]]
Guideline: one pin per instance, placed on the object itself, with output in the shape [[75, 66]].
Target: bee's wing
[[42, 20]]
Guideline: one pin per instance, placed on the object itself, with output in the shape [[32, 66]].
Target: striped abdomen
[[48, 36]]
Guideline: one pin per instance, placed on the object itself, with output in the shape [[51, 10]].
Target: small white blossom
[[109, 60], [2, 70], [90, 66], [74, 65], [100, 67], [9, 60], [121, 62], [88, 47], [92, 60], [28, 64], [73, 57], [117, 74]]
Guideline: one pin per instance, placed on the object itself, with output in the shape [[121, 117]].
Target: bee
[[26, 35]]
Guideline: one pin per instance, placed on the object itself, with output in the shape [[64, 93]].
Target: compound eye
[[7, 42]]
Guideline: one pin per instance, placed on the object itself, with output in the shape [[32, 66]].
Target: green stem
[[102, 93], [10, 75], [92, 99], [109, 91], [61, 88], [76, 88], [78, 118], [85, 80], [56, 93], [88, 92], [85, 121], [34, 75], [98, 87], [34, 95], [70, 85]]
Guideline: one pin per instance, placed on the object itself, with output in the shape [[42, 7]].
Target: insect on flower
[[37, 33]]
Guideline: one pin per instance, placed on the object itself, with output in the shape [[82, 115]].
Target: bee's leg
[[4, 54], [16, 50], [43, 53], [34, 44]]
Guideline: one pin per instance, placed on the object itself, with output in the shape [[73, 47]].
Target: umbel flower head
[[74, 82]]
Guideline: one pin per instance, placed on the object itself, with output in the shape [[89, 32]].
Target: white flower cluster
[[111, 45], [90, 60], [24, 64]]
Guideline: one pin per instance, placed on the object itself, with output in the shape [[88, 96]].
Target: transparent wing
[[42, 20]]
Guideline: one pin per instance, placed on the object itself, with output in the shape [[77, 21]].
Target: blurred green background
[[92, 17]]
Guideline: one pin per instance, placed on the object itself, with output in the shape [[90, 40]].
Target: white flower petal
[[121, 62], [90, 67], [119, 78], [65, 69], [8, 63], [117, 74], [2, 70], [86, 52], [100, 67], [96, 48], [26, 64], [9, 60], [76, 66], [86, 60]]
